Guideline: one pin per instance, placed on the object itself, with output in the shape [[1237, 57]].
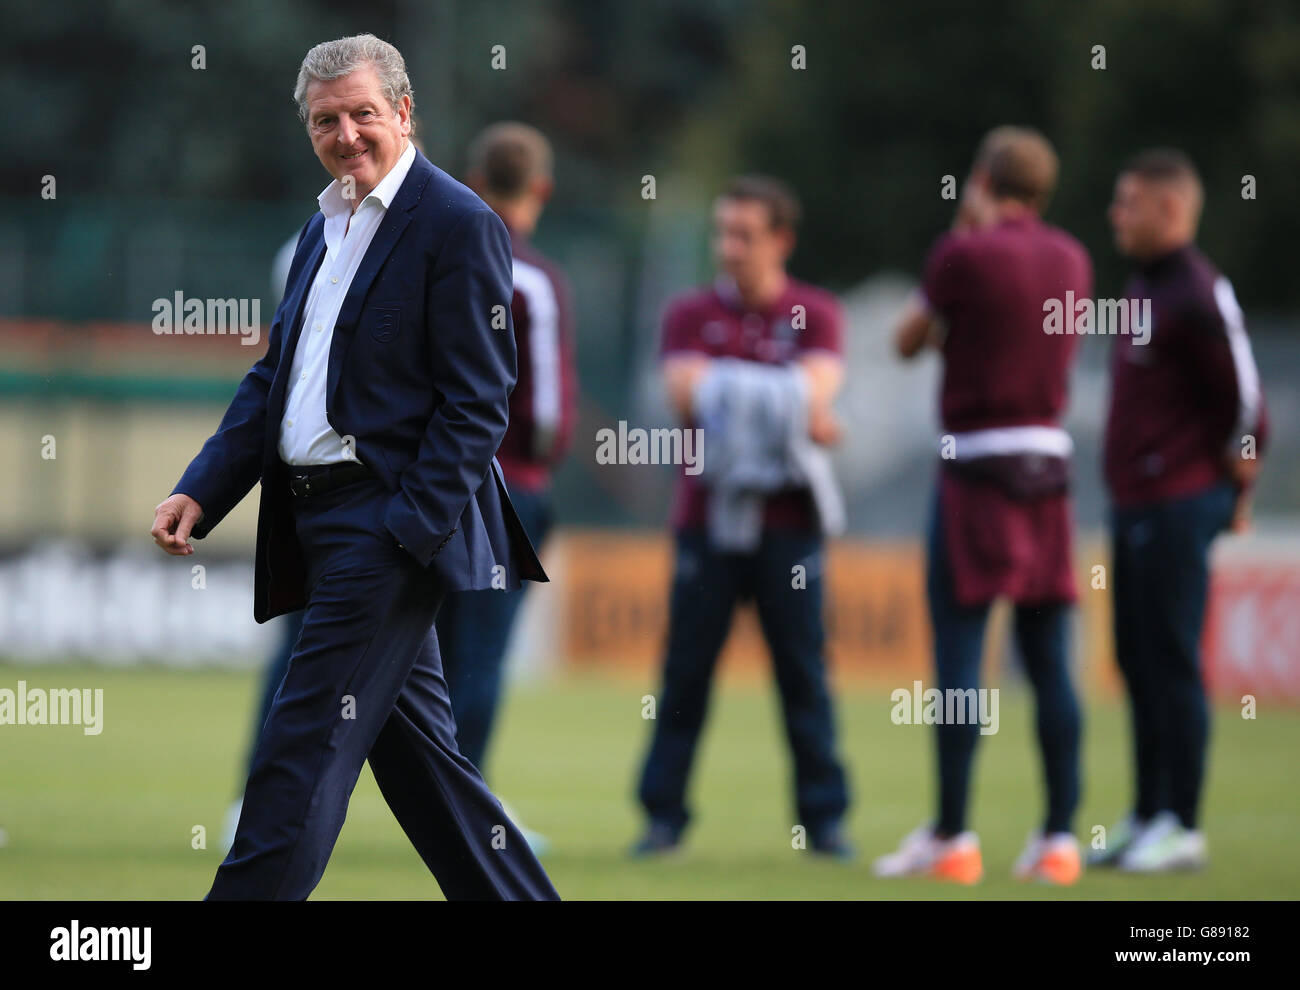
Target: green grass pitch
[[111, 816]]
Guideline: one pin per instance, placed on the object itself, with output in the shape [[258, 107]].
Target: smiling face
[[354, 130]]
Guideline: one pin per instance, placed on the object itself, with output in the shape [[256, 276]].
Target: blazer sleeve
[[230, 463], [473, 369]]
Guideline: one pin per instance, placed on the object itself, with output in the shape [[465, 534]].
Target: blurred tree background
[[173, 177], [199, 175]]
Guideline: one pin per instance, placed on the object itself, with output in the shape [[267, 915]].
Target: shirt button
[[319, 328], [304, 376], [335, 279], [288, 422]]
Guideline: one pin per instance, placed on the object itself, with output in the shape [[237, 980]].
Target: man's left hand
[[824, 427]]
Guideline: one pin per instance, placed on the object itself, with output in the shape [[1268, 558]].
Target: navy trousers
[[276, 668], [1042, 638], [1161, 580], [707, 586], [473, 628], [365, 682]]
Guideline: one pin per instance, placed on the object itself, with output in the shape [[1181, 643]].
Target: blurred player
[[1001, 518], [510, 168], [288, 626], [757, 314], [1187, 421]]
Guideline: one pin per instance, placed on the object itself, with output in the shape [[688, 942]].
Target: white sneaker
[[1166, 846], [923, 854], [1050, 858], [915, 851], [538, 843], [232, 823], [1121, 837]]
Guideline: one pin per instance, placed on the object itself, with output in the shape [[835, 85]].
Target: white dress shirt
[[306, 436]]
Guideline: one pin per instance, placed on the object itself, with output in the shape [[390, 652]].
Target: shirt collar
[[1167, 261], [724, 286], [1025, 219], [331, 198]]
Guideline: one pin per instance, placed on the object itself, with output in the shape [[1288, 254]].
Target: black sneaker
[[831, 842], [659, 840]]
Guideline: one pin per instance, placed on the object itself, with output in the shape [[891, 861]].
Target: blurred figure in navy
[[510, 167], [754, 360], [1187, 424], [290, 625]]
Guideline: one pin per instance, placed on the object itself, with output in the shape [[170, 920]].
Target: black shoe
[[831, 842], [659, 840]]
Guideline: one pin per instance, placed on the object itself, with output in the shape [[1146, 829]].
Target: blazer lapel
[[381, 246]]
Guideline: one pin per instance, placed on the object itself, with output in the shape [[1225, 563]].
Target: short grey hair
[[335, 59]]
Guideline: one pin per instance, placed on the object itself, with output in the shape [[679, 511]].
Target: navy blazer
[[421, 367]]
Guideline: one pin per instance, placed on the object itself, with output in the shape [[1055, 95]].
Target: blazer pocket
[[383, 322]]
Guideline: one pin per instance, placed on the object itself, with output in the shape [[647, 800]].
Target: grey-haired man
[[371, 423]]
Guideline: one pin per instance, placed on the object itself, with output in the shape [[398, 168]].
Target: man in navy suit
[[371, 423]]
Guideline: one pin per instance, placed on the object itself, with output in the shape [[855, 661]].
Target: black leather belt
[[308, 480]]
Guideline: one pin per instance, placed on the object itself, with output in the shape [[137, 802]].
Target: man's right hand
[[1243, 471], [172, 522], [1240, 522], [682, 372]]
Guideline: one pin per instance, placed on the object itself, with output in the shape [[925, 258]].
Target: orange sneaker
[[923, 854], [1051, 858], [959, 860]]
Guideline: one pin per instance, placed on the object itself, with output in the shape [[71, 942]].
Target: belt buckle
[[300, 485]]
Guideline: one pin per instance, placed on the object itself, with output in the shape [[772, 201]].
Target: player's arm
[[967, 217], [917, 328], [682, 371], [568, 373], [684, 358], [944, 286], [821, 359], [1220, 353], [825, 374]]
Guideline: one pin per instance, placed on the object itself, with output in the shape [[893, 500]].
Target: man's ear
[[541, 187], [1170, 208], [788, 240]]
